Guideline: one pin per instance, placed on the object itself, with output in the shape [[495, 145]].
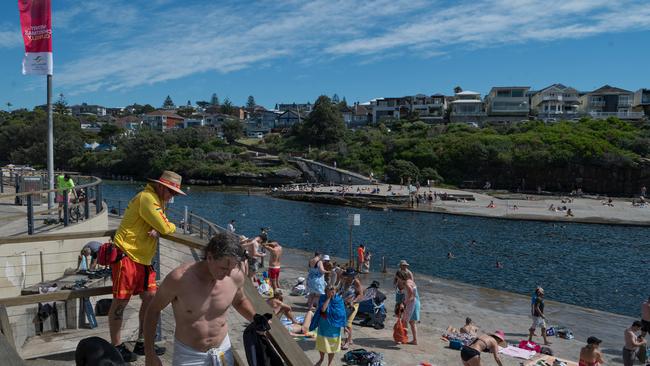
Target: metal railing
[[632, 115], [72, 210], [289, 350]]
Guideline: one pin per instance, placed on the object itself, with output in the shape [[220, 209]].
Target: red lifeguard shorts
[[274, 273], [129, 278]]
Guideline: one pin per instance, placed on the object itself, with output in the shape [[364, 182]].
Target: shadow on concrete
[[376, 343]]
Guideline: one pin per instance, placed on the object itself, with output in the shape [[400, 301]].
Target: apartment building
[[429, 108], [642, 101], [609, 101], [88, 109], [508, 103], [555, 102], [467, 107], [162, 120]]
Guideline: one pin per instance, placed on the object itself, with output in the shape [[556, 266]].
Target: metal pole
[[30, 215], [42, 271], [50, 144], [87, 203], [98, 198], [383, 264], [156, 267], [66, 214], [185, 221], [351, 258]]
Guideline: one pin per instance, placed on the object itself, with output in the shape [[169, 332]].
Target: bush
[[400, 171]]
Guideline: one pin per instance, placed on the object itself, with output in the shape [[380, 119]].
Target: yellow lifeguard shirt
[[144, 212]]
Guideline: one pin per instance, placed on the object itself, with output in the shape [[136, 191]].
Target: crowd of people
[[201, 292]]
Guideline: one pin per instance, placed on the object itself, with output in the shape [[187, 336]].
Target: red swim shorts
[[274, 273], [129, 278]]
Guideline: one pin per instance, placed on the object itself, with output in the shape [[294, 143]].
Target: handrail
[[96, 182], [279, 336]]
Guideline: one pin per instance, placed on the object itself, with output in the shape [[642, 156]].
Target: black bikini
[[467, 352]]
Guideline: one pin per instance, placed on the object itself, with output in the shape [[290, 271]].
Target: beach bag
[[455, 344], [362, 357], [642, 354], [546, 351], [400, 334], [102, 306], [108, 254], [551, 331], [265, 290], [565, 333], [299, 289], [530, 346]]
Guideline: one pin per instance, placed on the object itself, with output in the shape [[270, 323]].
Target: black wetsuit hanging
[[259, 350]]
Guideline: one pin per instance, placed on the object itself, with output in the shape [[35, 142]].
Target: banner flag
[[36, 25]]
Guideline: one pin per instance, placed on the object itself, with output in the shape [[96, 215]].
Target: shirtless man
[[252, 249], [645, 317], [469, 327], [632, 343], [200, 294], [274, 263]]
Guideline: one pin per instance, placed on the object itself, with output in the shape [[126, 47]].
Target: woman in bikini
[[471, 355], [590, 354], [411, 303]]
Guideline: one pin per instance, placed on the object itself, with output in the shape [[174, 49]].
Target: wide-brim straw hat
[[500, 337], [170, 180]]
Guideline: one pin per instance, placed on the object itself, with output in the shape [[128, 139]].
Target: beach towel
[[517, 352], [400, 334]]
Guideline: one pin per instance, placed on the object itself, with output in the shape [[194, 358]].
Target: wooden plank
[[21, 239], [5, 326], [56, 296], [9, 355]]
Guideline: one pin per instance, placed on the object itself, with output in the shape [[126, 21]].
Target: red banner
[[36, 24]]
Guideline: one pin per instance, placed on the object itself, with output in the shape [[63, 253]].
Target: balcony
[[597, 103], [622, 115], [624, 104], [559, 98]]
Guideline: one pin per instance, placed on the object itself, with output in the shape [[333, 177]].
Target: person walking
[[632, 343], [315, 280], [361, 256], [539, 319], [352, 292], [275, 250], [137, 239], [329, 319], [411, 303]]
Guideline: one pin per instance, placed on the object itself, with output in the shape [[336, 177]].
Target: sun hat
[[350, 272], [593, 340], [500, 337], [404, 263], [326, 257], [170, 180]]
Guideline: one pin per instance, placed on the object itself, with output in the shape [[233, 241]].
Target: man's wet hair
[[225, 245]]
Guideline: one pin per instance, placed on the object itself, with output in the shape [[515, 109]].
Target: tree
[[324, 125], [61, 106], [399, 171], [189, 103], [168, 103], [232, 130], [335, 98], [250, 104], [202, 103], [185, 111], [148, 108], [214, 100], [9, 106], [227, 107], [108, 132], [457, 90]]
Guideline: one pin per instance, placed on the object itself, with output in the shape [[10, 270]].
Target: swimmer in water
[[450, 256], [499, 264]]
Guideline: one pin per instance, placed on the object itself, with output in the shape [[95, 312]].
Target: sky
[[118, 52]]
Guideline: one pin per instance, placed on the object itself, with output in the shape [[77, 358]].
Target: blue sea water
[[597, 266]]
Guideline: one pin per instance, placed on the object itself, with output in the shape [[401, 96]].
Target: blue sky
[[117, 52]]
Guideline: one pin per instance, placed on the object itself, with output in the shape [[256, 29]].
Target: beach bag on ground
[[108, 254], [565, 333], [102, 306], [455, 344], [362, 357], [400, 334], [299, 289], [530, 346], [551, 332], [546, 351]]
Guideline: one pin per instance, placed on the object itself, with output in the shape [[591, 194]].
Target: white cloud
[[10, 38], [146, 45]]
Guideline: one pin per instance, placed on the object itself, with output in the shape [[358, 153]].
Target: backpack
[[362, 357], [108, 254]]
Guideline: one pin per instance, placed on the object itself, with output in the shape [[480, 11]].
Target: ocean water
[[603, 267]]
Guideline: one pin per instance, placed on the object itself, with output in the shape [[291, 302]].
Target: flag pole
[[50, 144]]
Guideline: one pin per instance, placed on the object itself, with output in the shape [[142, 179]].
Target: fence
[[73, 210]]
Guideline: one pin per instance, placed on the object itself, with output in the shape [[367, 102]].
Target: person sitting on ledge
[[569, 213], [491, 205], [469, 327]]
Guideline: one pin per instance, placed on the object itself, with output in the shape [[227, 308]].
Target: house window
[[517, 93], [503, 93]]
